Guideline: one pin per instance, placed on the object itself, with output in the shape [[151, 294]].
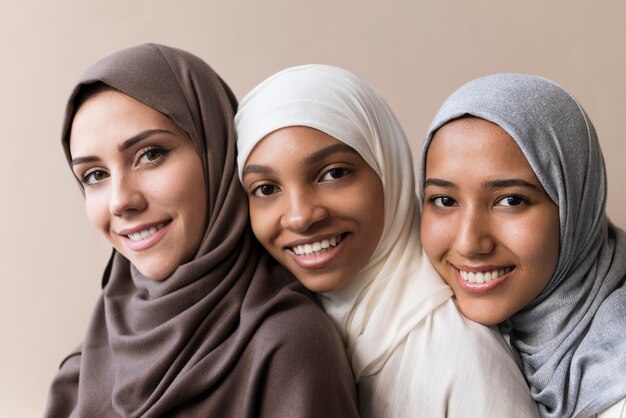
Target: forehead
[[473, 144], [111, 117], [296, 141]]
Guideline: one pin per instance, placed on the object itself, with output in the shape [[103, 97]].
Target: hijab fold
[[398, 287], [207, 340], [571, 338]]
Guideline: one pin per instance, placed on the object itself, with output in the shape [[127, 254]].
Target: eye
[[93, 176], [443, 201], [264, 190], [334, 173], [511, 201], [150, 155]]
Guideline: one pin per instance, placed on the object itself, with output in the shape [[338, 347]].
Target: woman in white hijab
[[332, 197]]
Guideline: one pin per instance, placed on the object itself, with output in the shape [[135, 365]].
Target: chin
[[156, 274], [314, 286], [480, 316], [317, 284], [155, 277]]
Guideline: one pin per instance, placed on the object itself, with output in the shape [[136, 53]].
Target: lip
[[310, 240], [317, 261], [480, 287], [149, 242]]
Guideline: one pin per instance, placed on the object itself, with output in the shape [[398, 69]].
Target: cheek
[[196, 193], [435, 234], [549, 249], [179, 189], [536, 244], [264, 221], [97, 209], [371, 207], [195, 200]]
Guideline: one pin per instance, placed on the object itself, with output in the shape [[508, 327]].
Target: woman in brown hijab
[[194, 318]]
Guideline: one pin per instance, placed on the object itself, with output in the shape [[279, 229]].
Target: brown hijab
[[229, 333]]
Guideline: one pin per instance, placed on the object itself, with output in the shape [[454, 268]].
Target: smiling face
[[488, 226], [143, 182], [315, 205]]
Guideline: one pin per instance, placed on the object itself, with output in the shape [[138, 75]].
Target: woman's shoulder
[[463, 354], [292, 314], [297, 320], [452, 327], [301, 350], [474, 344]]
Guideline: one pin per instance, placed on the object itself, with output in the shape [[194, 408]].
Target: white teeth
[[138, 236], [317, 247], [483, 277]]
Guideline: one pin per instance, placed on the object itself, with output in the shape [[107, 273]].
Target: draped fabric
[[404, 355], [229, 333], [572, 337]]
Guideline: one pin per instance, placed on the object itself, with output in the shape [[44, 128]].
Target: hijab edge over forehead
[[145, 89], [453, 109], [285, 100]]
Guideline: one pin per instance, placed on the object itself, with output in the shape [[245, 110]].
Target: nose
[[125, 197], [303, 210], [474, 236]]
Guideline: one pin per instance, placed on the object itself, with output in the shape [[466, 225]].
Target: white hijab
[[398, 287]]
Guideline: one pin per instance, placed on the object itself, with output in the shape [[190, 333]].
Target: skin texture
[[473, 224], [316, 188], [139, 170]]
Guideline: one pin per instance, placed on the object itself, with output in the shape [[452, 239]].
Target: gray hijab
[[572, 337]]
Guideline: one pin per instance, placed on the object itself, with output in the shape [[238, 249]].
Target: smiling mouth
[[317, 247], [146, 233], [485, 276]]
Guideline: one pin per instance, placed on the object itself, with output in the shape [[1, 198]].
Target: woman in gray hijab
[[514, 193], [195, 319]]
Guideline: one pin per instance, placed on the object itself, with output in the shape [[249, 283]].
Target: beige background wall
[[415, 52]]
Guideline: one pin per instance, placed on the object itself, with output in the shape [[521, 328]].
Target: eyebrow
[[499, 184], [124, 145], [440, 183], [312, 158], [256, 169], [319, 155], [492, 184]]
